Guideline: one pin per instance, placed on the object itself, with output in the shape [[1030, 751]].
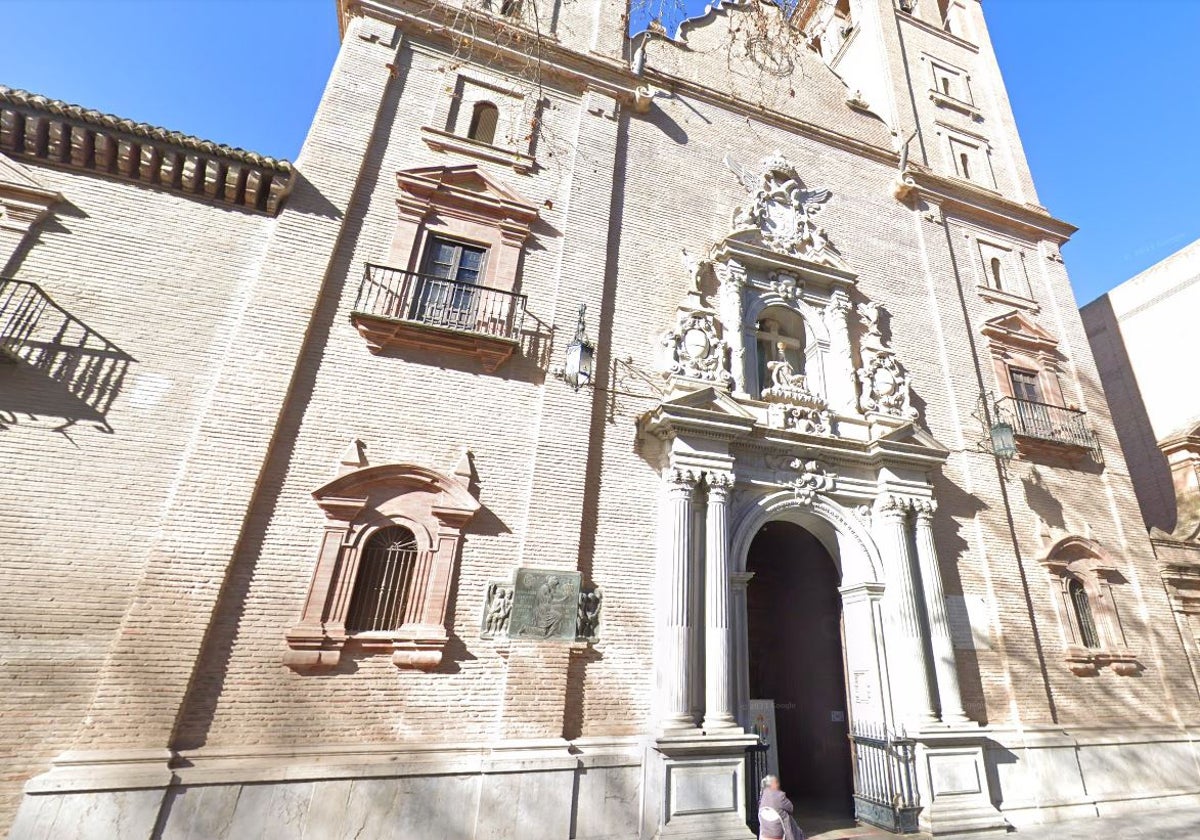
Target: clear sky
[[1105, 93]]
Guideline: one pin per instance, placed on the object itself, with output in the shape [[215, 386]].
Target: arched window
[[510, 8], [385, 571], [965, 164], [997, 273], [483, 122], [387, 584], [780, 337], [1083, 614]]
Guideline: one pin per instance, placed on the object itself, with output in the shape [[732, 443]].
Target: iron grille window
[[384, 573], [1083, 614]]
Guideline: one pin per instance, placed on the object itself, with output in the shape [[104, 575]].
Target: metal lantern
[[581, 355], [1004, 442]]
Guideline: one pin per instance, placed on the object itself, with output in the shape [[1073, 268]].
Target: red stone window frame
[[1017, 343], [1077, 560], [466, 204], [436, 508]]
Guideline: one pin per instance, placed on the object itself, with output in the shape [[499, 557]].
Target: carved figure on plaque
[[589, 613], [545, 605], [497, 609]]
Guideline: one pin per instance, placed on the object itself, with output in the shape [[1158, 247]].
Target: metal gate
[[885, 791]]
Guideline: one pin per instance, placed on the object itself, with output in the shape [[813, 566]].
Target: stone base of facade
[[688, 785], [696, 787]]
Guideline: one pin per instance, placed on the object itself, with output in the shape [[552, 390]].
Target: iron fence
[[451, 304]]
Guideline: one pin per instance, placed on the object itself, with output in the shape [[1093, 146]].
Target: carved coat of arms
[[782, 210]]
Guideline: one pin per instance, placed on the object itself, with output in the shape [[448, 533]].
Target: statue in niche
[[589, 613], [782, 210], [783, 378], [884, 387]]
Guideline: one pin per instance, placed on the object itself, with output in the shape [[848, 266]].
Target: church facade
[[580, 428]]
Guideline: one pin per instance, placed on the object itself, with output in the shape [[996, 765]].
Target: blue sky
[[1105, 98]]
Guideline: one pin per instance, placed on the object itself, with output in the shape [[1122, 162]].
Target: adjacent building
[[580, 427]]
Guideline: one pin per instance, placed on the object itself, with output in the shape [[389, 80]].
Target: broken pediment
[[1018, 328], [466, 189]]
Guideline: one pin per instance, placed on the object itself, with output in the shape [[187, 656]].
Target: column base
[[699, 786], [954, 782]]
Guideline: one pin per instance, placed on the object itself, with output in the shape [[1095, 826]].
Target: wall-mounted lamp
[[581, 356], [1004, 442]]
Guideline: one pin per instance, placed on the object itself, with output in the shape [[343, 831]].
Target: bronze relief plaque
[[545, 605]]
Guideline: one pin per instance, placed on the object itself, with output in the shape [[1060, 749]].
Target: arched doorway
[[795, 647]]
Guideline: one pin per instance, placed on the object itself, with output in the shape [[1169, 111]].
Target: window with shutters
[[451, 283]]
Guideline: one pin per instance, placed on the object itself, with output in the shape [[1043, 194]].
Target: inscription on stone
[[545, 605]]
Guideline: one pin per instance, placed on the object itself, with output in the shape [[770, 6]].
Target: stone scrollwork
[[781, 211], [810, 419], [786, 285], [588, 623], [694, 350], [884, 386], [813, 479], [497, 608]]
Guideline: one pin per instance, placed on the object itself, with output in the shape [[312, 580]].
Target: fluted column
[[738, 582], [718, 670], [949, 697], [910, 667], [679, 618]]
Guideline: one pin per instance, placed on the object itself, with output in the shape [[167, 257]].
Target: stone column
[[675, 666], [731, 276], [738, 581], [949, 697], [718, 670], [906, 646], [840, 382]]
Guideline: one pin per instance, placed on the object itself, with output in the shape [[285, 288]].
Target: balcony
[[1041, 425], [396, 308]]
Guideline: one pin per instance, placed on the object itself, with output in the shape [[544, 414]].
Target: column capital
[[892, 506], [720, 484], [680, 479], [740, 580], [924, 509]]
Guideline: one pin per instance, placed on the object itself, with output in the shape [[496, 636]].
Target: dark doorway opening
[[795, 646]]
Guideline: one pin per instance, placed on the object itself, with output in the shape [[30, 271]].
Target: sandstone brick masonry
[[153, 566]]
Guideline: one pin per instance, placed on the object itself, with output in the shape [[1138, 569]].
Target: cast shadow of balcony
[[51, 363]]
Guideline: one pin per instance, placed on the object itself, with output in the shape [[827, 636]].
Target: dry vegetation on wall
[[765, 37]]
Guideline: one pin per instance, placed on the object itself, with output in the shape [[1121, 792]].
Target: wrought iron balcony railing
[[1045, 422], [434, 301], [37, 331]]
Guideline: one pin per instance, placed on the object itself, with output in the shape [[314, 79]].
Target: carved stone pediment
[[781, 214]]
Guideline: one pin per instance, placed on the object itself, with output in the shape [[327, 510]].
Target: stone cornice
[[984, 204], [50, 131]]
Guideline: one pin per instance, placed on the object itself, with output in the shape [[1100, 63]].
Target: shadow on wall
[[54, 364], [1147, 465]]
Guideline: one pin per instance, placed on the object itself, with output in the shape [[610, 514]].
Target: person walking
[[775, 820]]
